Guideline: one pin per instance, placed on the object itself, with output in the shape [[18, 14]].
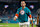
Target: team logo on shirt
[[22, 12]]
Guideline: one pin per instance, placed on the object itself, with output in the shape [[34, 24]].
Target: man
[[22, 14]]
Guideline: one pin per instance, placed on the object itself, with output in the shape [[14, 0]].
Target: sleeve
[[30, 16], [29, 12], [17, 13]]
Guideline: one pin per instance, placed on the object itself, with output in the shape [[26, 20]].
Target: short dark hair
[[22, 1]]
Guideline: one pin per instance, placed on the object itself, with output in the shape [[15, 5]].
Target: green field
[[10, 25]]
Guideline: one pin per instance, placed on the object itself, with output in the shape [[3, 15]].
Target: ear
[[25, 3]]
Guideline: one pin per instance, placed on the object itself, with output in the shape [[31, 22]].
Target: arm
[[31, 19], [30, 16], [16, 15]]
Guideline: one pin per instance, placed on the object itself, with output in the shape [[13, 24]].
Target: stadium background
[[8, 9]]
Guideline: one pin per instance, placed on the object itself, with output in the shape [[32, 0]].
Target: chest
[[23, 11]]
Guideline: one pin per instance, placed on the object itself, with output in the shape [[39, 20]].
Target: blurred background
[[8, 9]]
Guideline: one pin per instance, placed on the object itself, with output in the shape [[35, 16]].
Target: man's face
[[23, 3]]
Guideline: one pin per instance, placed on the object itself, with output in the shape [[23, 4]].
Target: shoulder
[[27, 8], [19, 8]]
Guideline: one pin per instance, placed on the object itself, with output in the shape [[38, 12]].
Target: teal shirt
[[23, 16]]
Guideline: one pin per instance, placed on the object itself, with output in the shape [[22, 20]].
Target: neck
[[23, 7]]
